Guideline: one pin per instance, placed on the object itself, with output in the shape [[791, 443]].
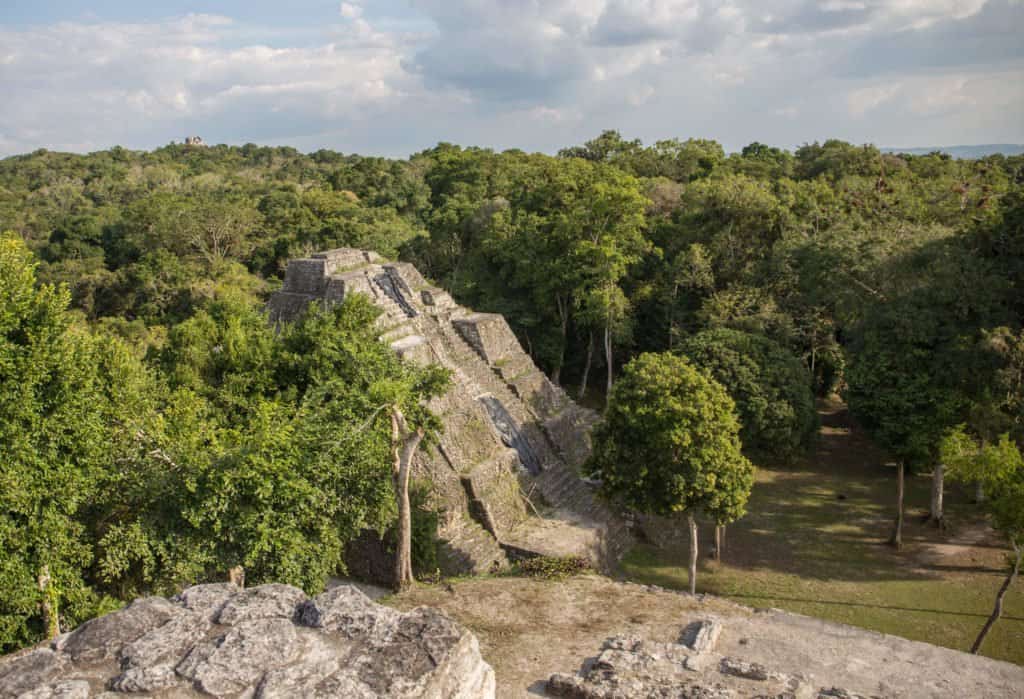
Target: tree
[[916, 368], [669, 444], [999, 467], [404, 442], [892, 391], [274, 449], [607, 224], [771, 388], [55, 439]]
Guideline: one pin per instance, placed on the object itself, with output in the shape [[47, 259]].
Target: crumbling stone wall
[[512, 441]]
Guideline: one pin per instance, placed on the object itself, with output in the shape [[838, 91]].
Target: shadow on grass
[[828, 518], [838, 603]]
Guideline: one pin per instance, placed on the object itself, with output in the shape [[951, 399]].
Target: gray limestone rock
[[347, 611], [70, 689], [751, 671], [241, 657], [207, 600], [629, 666], [266, 642], [701, 636], [149, 660], [263, 602], [22, 672], [102, 638]]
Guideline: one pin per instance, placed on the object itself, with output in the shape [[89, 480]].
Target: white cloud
[[72, 82], [866, 99], [842, 5], [351, 11], [536, 74], [640, 95], [920, 14]]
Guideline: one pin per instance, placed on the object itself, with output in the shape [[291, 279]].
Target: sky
[[392, 77]]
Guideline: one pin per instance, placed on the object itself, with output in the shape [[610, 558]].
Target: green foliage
[[553, 567], [57, 434], [999, 468], [279, 446], [670, 442], [770, 386], [240, 446], [425, 519]]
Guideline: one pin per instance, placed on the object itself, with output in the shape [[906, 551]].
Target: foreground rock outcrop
[[267, 641], [503, 474], [629, 666], [664, 646]]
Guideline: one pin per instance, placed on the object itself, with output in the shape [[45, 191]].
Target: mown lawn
[[805, 549]]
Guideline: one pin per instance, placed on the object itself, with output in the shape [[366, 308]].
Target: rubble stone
[[268, 641]]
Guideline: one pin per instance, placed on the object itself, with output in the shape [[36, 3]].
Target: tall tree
[[771, 388], [56, 437], [669, 444]]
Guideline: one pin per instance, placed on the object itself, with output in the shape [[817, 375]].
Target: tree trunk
[[608, 358], [563, 316], [998, 610], [672, 316], [693, 552], [236, 576], [938, 486], [719, 540], [48, 603], [979, 493], [586, 367], [897, 532], [404, 443]]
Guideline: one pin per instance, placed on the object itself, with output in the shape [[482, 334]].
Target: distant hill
[[966, 152]]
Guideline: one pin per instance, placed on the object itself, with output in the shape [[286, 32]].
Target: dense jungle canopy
[[155, 431]]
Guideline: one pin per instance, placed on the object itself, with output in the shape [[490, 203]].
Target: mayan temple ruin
[[504, 474]]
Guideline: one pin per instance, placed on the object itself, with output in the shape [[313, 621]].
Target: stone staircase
[[552, 511], [470, 548]]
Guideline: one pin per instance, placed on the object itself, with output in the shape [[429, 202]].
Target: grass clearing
[[813, 543]]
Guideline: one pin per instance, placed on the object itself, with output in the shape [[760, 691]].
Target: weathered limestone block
[[751, 671], [70, 689], [19, 674], [570, 432], [286, 306], [239, 658], [357, 282], [149, 661], [701, 636], [496, 485], [346, 611], [406, 276], [263, 602], [269, 641], [103, 638], [440, 300], [413, 348], [306, 276], [344, 259], [208, 599], [490, 336], [632, 667]]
